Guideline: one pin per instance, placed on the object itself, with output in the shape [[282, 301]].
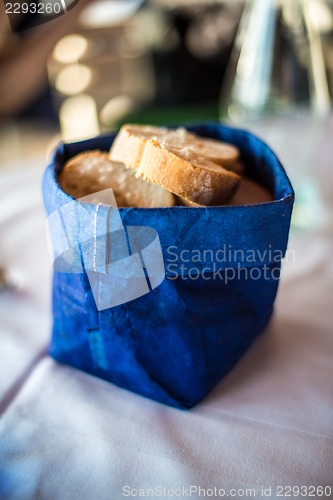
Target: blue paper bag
[[164, 301]]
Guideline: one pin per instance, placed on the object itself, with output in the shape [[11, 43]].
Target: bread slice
[[93, 171], [216, 151], [130, 142], [170, 158], [248, 192]]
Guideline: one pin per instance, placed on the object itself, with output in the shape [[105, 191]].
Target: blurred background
[[266, 65]]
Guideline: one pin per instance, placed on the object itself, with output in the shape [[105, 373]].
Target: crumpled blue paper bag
[[173, 342]]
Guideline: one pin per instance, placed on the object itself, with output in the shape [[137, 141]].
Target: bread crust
[[93, 171], [248, 192], [160, 159], [216, 151]]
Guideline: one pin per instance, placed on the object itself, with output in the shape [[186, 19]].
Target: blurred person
[[23, 57]]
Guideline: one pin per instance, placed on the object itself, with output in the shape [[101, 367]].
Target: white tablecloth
[[67, 435]]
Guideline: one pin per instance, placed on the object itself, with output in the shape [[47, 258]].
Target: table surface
[[66, 434]]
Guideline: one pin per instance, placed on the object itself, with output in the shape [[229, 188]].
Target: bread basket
[[222, 266]]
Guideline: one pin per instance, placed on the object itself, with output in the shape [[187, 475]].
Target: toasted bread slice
[[93, 171], [130, 142], [248, 192], [167, 157], [215, 151]]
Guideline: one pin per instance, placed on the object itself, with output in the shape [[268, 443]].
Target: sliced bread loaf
[[179, 161], [93, 171]]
